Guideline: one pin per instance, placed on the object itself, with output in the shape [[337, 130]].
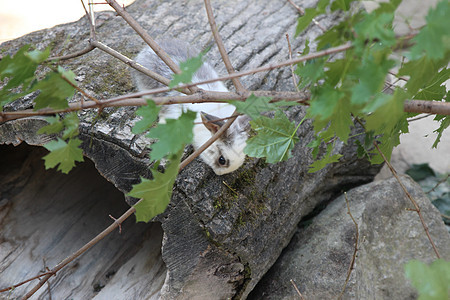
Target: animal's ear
[[211, 122], [243, 122]]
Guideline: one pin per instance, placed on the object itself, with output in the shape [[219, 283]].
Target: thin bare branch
[[294, 77], [223, 52], [72, 55], [26, 281], [80, 251], [146, 37], [416, 206], [302, 12], [297, 290], [355, 250], [134, 64]]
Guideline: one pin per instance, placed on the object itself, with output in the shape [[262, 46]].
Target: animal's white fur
[[231, 145]]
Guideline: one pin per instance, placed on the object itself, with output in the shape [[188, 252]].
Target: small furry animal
[[227, 153]]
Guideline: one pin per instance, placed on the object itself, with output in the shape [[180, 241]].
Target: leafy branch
[[343, 88]]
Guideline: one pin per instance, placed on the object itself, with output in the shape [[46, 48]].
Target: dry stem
[[352, 263], [237, 83], [416, 206]]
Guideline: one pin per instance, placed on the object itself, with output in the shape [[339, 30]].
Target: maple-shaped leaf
[[431, 281], [69, 123], [445, 123], [435, 89], [324, 102], [275, 138], [149, 114], [421, 72], [172, 136], [188, 69], [434, 38], [389, 112], [310, 13], [62, 154], [253, 106], [375, 27], [371, 75], [54, 90], [310, 71], [328, 158], [19, 70], [155, 194]]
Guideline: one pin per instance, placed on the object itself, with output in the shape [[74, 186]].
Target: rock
[[319, 255], [221, 234]]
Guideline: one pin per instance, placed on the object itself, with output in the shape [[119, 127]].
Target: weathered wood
[[218, 241]]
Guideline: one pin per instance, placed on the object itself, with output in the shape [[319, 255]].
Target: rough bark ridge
[[219, 239]]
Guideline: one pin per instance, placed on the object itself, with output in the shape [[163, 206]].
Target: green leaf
[[387, 7], [70, 123], [253, 106], [55, 125], [388, 114], [156, 193], [310, 71], [434, 38], [310, 13], [342, 121], [435, 89], [54, 90], [431, 281], [375, 27], [422, 73], [188, 69], [327, 159], [21, 67], [172, 136], [371, 75], [149, 114], [343, 5], [63, 154], [445, 122], [275, 138], [324, 102]]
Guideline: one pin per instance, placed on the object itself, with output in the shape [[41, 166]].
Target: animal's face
[[226, 155]]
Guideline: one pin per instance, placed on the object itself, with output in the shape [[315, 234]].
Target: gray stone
[[319, 255]]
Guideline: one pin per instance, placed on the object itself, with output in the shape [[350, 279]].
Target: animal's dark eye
[[222, 160]]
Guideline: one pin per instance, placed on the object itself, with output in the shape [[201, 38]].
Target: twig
[[416, 206], [134, 64], [83, 249], [26, 281], [88, 49], [223, 52], [294, 77], [302, 12], [352, 263], [297, 290], [81, 91], [419, 118], [146, 37], [438, 184]]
